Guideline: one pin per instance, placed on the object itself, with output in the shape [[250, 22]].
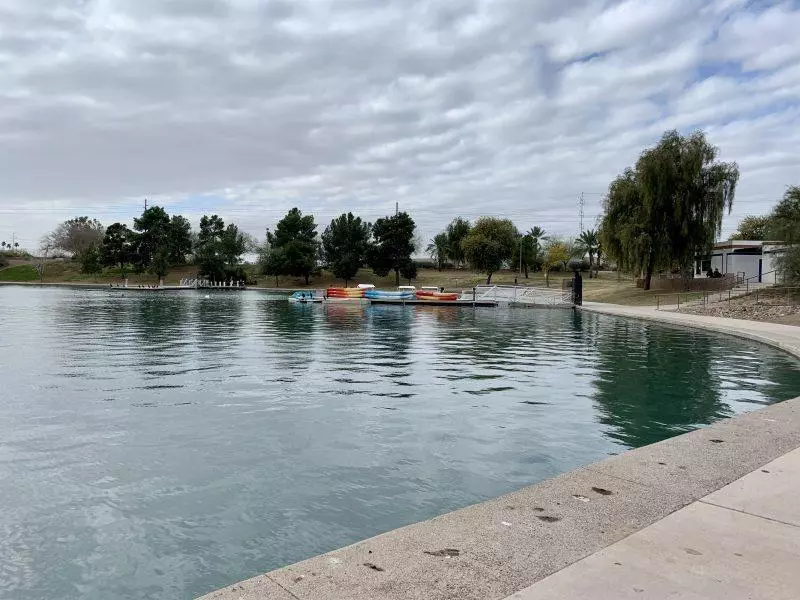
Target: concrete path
[[786, 337], [740, 542]]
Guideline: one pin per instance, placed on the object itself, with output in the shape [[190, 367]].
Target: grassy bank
[[609, 287], [19, 273]]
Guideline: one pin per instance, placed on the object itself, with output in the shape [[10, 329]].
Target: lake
[[162, 445]]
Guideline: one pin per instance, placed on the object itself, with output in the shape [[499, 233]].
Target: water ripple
[[163, 445]]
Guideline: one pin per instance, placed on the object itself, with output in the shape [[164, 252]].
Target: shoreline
[[501, 546]]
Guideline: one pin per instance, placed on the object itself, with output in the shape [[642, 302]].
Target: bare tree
[[75, 236]]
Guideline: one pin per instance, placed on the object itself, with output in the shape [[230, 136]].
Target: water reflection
[[677, 391]]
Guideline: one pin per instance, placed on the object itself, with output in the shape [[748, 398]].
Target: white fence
[[510, 294]]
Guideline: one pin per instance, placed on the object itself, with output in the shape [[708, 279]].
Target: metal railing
[[791, 294], [784, 295], [510, 294]]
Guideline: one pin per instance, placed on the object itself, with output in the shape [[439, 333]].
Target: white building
[[754, 260]]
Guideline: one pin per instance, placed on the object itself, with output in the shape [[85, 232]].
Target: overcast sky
[[450, 107]]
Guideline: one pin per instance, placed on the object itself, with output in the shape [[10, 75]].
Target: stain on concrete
[[548, 518], [443, 552]]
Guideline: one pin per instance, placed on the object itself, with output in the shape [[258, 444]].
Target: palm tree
[[537, 234], [2, 244], [588, 243], [438, 249]]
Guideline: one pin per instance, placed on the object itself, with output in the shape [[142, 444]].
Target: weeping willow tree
[[668, 208]]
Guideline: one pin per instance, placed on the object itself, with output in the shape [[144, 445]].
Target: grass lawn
[[19, 273]]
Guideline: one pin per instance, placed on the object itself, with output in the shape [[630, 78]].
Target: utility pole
[[396, 208], [145, 203], [581, 203]]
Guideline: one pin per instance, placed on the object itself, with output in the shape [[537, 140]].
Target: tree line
[[387, 246], [346, 245], [294, 247], [666, 210], [156, 243]]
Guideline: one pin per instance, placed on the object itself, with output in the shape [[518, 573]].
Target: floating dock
[[173, 288], [473, 303]]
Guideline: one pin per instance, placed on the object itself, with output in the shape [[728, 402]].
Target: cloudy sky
[[448, 107]]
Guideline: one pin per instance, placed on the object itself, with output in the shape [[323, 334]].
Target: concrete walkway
[[740, 542], [708, 514]]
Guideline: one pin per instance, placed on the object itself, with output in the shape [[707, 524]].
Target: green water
[[160, 446]]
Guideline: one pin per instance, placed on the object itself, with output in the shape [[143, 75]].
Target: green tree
[[490, 244], [785, 226], [539, 235], [90, 260], [409, 271], [296, 236], [208, 250], [153, 241], [345, 243], [669, 207], [526, 253], [556, 255], [588, 243], [752, 228], [785, 217], [117, 247], [393, 245], [456, 231], [439, 249], [180, 239], [272, 262], [233, 245], [160, 262]]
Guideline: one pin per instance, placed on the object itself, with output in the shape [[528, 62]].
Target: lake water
[[160, 446]]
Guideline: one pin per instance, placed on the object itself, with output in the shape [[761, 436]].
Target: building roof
[[737, 244]]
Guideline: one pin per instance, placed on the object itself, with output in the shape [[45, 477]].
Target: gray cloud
[[467, 107]]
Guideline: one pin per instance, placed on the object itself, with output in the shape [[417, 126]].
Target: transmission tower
[[581, 204]]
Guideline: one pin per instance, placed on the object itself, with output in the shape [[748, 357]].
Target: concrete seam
[[744, 512], [280, 585]]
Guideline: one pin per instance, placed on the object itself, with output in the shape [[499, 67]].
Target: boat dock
[[473, 303]]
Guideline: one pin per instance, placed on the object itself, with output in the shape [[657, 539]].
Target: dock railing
[[515, 294]]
